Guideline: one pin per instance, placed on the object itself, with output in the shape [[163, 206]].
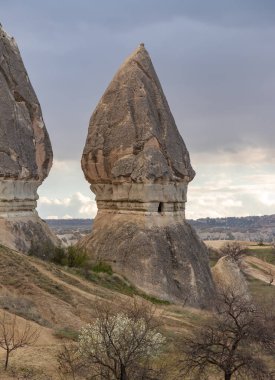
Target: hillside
[[60, 303], [249, 228]]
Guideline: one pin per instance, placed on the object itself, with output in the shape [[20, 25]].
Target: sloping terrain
[[59, 303], [257, 266], [259, 269]]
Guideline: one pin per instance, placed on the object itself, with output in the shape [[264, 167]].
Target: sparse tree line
[[236, 340]]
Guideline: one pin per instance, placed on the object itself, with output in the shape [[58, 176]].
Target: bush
[[44, 251], [102, 267], [233, 250], [59, 256], [71, 256], [260, 242], [76, 257]]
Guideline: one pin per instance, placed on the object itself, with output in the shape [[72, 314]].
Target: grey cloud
[[126, 14], [215, 60]]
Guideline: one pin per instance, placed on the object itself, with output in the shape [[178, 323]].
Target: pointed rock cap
[[132, 134], [25, 148]]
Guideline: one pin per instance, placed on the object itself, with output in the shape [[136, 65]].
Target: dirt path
[[93, 291], [74, 288]]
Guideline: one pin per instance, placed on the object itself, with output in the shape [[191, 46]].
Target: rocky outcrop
[[25, 151], [228, 276], [139, 168]]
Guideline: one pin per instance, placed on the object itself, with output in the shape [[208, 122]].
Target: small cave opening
[[160, 208]]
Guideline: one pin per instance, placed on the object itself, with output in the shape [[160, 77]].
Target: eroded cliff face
[[25, 148], [160, 254], [139, 168]]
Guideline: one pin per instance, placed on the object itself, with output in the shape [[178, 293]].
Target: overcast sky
[[215, 60]]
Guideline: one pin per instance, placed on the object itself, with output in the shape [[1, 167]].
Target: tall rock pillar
[[139, 168], [25, 153]]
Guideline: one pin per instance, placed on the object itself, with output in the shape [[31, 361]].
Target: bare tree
[[232, 342], [69, 361], [121, 345], [233, 250], [12, 338]]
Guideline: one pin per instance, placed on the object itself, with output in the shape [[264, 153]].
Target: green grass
[[102, 267], [259, 289], [266, 254], [214, 256], [104, 277], [66, 333], [153, 299]]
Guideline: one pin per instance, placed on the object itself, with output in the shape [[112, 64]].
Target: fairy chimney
[[25, 153], [139, 167]]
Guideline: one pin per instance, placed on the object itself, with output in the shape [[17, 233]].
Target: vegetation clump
[[66, 333], [233, 342], [233, 250], [72, 256], [121, 345], [102, 267]]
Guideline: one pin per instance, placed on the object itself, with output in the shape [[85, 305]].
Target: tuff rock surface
[[139, 168], [25, 152], [228, 276]]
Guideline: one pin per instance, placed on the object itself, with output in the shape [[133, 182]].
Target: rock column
[[138, 166], [25, 153]]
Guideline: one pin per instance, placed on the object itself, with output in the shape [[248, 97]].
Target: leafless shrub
[[69, 361], [12, 338], [231, 343], [233, 250]]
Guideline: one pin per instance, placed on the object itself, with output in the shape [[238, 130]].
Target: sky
[[215, 61]]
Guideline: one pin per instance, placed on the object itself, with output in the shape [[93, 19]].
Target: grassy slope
[[60, 302], [265, 253], [259, 289]]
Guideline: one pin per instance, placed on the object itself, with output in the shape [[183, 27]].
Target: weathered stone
[[228, 276], [139, 168], [25, 149]]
